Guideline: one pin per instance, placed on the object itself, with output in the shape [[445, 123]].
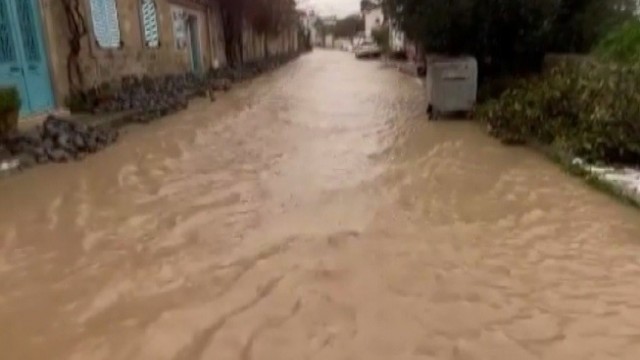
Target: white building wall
[[309, 23], [372, 19], [396, 39]]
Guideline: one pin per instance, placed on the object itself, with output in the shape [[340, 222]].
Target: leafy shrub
[[9, 100], [622, 44], [508, 37], [77, 103], [9, 107], [590, 110], [381, 37]]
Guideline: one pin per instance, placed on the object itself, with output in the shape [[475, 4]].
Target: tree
[[507, 36], [381, 37], [580, 24], [349, 26], [77, 29], [267, 17], [369, 4], [233, 13]]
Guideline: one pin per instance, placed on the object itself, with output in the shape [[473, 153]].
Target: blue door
[[23, 63], [10, 64], [194, 44]]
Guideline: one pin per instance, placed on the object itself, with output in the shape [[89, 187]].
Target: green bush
[[9, 107], [381, 37], [622, 44], [9, 100], [590, 110], [508, 37]]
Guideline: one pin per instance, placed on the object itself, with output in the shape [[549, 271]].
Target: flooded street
[[314, 213]]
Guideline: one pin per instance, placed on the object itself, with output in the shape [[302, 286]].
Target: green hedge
[[590, 110], [9, 100], [622, 44]]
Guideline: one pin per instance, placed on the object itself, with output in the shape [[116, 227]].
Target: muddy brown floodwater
[[314, 213]]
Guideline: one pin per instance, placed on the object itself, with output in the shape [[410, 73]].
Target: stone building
[[135, 37], [124, 37]]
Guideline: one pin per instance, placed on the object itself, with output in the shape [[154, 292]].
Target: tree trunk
[[77, 30]]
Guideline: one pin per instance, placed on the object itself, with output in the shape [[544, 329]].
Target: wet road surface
[[315, 214]]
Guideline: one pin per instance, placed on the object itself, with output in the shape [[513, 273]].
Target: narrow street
[[314, 213]]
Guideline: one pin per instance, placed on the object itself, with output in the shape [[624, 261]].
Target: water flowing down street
[[314, 213]]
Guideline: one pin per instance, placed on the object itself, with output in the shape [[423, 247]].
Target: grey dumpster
[[451, 85]]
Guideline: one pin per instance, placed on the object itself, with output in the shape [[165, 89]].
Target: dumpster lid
[[437, 58]]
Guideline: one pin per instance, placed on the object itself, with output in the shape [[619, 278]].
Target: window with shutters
[[149, 20], [106, 27]]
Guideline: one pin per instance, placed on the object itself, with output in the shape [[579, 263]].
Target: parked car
[[346, 47], [368, 50]]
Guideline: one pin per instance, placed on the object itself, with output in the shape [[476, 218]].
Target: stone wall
[[133, 57], [254, 48], [100, 65]]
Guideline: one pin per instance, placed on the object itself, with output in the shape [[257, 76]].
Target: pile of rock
[[156, 97], [58, 140], [161, 96], [144, 98]]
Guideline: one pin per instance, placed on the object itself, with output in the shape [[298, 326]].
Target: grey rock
[[78, 142], [37, 152], [27, 161], [92, 145], [59, 155], [42, 159], [63, 140]]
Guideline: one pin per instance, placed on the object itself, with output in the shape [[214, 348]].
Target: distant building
[[373, 17], [397, 39], [309, 23], [125, 38], [328, 40], [329, 21], [343, 43]]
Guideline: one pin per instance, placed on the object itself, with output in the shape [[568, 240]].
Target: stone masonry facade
[[133, 57]]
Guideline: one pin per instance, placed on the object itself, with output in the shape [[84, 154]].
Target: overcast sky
[[332, 7]]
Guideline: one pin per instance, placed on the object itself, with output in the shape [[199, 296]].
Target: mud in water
[[315, 214]]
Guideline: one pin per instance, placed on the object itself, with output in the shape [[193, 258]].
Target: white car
[[346, 47], [368, 50]]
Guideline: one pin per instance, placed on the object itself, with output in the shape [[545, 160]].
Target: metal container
[[451, 85]]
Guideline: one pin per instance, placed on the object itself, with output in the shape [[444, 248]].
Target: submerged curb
[[622, 183], [64, 139], [625, 182]]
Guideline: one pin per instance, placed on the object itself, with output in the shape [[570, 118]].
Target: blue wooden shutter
[[106, 26], [149, 23], [7, 49]]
